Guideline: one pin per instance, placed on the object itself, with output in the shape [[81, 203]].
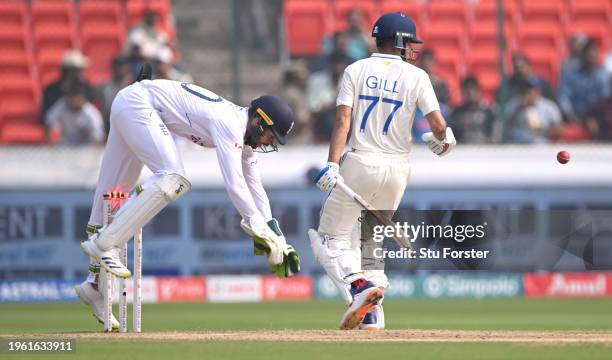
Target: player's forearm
[[437, 124], [253, 180], [339, 133]]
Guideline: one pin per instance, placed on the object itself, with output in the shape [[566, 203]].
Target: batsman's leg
[[338, 220]]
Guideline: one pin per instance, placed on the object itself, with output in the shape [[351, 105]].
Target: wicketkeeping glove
[[260, 247], [328, 176], [291, 261], [265, 239], [440, 147]]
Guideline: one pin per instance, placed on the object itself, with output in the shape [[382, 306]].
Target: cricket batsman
[[143, 118], [377, 99]]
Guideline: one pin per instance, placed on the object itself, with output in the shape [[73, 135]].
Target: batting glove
[[440, 147], [328, 176]]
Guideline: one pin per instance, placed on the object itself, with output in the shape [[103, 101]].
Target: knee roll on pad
[[139, 210]]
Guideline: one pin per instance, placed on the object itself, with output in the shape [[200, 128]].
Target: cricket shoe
[[93, 298], [365, 297], [110, 259], [374, 320]]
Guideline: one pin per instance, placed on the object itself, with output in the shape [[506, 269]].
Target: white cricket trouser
[[381, 180], [137, 136]]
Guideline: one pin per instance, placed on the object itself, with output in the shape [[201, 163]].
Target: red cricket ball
[[563, 157]]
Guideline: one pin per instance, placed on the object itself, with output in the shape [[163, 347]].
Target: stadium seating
[[53, 32], [49, 66], [17, 133], [100, 14], [545, 64], [487, 11], [451, 36], [542, 37], [14, 39], [100, 46], [16, 64], [595, 11], [484, 36], [449, 12], [19, 99], [484, 65], [54, 38], [13, 14], [312, 16], [550, 12], [49, 13]]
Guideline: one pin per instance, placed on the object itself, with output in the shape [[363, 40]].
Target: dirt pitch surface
[[447, 336]]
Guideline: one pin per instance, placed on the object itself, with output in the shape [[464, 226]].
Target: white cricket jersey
[[384, 92], [210, 121]]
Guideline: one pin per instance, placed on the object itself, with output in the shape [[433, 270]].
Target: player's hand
[[328, 176], [265, 239], [290, 265], [440, 147], [260, 249]]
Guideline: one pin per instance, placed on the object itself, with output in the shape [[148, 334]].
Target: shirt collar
[[386, 56]]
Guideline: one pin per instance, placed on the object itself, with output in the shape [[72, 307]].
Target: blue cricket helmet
[[276, 114], [396, 26]]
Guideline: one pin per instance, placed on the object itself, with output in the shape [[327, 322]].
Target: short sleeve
[[427, 100], [346, 93]]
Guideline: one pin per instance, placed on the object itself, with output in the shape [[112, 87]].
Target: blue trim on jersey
[[202, 96], [385, 56]]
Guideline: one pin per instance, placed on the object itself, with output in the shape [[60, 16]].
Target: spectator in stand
[[598, 120], [75, 119], [145, 38], [122, 76], [532, 118], [584, 83], [72, 66], [321, 91], [523, 73], [294, 92], [163, 67], [331, 45], [473, 121], [428, 64], [356, 44], [575, 45]]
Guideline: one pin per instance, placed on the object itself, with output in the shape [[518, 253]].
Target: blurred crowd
[[527, 108], [74, 112]]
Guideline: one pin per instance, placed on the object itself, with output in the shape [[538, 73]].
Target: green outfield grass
[[490, 314]]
